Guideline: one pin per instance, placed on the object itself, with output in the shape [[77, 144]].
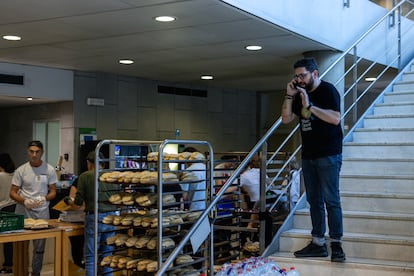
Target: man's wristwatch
[[309, 106]]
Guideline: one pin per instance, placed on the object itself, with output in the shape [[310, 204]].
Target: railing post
[[355, 88], [263, 188]]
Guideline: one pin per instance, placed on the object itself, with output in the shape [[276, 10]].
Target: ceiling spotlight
[[12, 37], [126, 61], [253, 47], [207, 77], [370, 79], [165, 18]]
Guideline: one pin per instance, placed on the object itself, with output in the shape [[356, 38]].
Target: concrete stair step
[[378, 166], [401, 96], [378, 150], [358, 245], [403, 86], [377, 202], [383, 135], [394, 184], [394, 109], [383, 121], [366, 222], [408, 76], [352, 266]]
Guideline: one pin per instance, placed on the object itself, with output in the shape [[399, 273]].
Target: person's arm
[[287, 113], [51, 193], [14, 195]]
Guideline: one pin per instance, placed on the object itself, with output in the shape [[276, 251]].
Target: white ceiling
[[208, 37]]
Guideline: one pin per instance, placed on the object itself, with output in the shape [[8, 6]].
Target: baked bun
[[152, 156], [128, 198], [106, 260], [142, 241], [142, 264], [152, 266], [169, 177], [132, 264], [183, 259], [109, 219], [28, 222], [123, 261], [148, 177], [121, 239], [40, 224], [131, 241], [115, 199], [146, 200]]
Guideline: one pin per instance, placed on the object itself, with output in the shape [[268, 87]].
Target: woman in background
[[6, 205]]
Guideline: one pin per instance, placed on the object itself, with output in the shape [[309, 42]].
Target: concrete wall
[[135, 110]]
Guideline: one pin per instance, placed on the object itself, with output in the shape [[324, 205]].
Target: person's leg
[[38, 252], [104, 249], [77, 245], [329, 169], [8, 247], [314, 196], [89, 245]]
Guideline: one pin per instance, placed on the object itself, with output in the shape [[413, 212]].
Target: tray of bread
[[36, 224]]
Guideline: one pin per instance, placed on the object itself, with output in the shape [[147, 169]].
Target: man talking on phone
[[317, 105]]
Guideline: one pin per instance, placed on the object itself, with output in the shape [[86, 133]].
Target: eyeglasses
[[301, 76]]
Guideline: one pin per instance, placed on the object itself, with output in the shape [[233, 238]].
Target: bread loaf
[[152, 266], [131, 241], [183, 259], [142, 241], [142, 264]]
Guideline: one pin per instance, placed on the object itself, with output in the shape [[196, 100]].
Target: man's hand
[[68, 200], [30, 203]]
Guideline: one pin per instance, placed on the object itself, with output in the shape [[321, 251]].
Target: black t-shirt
[[319, 138]]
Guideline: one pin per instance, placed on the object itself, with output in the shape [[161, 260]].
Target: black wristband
[[289, 97], [309, 106]]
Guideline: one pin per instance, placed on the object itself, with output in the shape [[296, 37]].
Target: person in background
[[85, 195], [77, 242], [250, 184], [33, 186], [294, 179], [195, 193], [6, 205], [317, 105]]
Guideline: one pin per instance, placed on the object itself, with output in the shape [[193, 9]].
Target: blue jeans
[[104, 231], [321, 177]]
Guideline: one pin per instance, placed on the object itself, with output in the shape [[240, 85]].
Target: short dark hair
[[91, 156], [7, 163], [309, 63], [35, 143]]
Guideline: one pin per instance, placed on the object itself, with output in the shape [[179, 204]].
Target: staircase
[[377, 192]]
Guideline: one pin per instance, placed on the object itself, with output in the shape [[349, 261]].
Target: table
[[60, 231], [21, 239], [67, 230]]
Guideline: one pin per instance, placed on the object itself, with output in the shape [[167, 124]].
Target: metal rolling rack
[[203, 255]]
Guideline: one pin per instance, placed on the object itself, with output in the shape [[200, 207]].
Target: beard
[[309, 84]]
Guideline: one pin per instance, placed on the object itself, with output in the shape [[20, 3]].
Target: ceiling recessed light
[[126, 61], [370, 79], [253, 47], [165, 18], [12, 37], [206, 77]]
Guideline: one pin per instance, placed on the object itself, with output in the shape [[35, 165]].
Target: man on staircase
[[317, 105]]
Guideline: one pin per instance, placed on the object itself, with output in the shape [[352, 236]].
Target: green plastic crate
[[11, 221]]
